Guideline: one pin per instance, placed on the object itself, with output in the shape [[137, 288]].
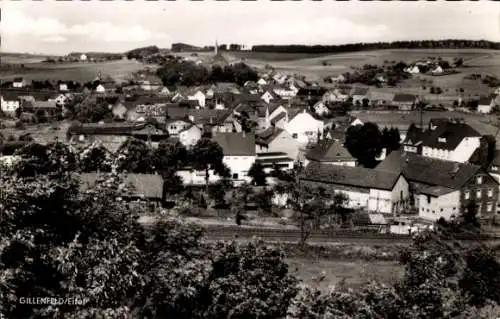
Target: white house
[[304, 127], [321, 109], [437, 70], [276, 140], [63, 87], [18, 83], [412, 69], [83, 57], [376, 191], [285, 92], [356, 122], [239, 153], [486, 104], [436, 202], [198, 96], [9, 103], [450, 140], [176, 126], [190, 136], [100, 89], [262, 82]]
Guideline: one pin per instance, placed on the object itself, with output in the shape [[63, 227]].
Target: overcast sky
[[63, 27]]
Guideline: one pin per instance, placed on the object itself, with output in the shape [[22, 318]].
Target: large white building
[[239, 153], [445, 139], [304, 127], [376, 191]]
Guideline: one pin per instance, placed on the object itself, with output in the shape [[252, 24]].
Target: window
[[478, 193], [294, 135], [490, 192], [428, 199], [441, 209], [467, 195], [479, 179], [489, 207], [235, 176]]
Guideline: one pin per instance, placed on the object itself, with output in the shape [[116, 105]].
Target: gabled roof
[[359, 91], [414, 135], [487, 100], [329, 151], [236, 144], [350, 176], [18, 79], [402, 97], [278, 117], [267, 136], [147, 185], [429, 171], [107, 128], [453, 133]]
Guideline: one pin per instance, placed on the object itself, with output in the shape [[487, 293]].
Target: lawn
[[353, 272], [80, 72]]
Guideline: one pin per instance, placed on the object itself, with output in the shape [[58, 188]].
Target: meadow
[[353, 273], [80, 72]]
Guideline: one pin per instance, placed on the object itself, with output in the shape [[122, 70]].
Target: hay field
[[477, 60], [354, 272], [80, 72]]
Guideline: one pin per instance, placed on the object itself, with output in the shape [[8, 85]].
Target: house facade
[[198, 96], [305, 128], [276, 140], [445, 189], [404, 102], [190, 136], [239, 153], [174, 127], [376, 191], [9, 104]]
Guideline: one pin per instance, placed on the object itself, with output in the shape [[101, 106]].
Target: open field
[[80, 72], [476, 60], [354, 272], [41, 133]]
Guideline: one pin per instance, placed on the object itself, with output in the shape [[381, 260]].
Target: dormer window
[[442, 140], [479, 180]]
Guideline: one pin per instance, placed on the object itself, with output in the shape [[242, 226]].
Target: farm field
[[477, 60], [81, 72], [353, 272]]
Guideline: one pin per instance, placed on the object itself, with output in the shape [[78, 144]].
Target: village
[[275, 128]]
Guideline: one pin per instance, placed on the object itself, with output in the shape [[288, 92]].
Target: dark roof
[[274, 160], [278, 117], [18, 79], [359, 91], [10, 96], [414, 135], [107, 128], [350, 176], [496, 158], [261, 110], [313, 91], [401, 97], [485, 100], [435, 191], [454, 133], [429, 171], [267, 136], [147, 185], [236, 144], [329, 151]]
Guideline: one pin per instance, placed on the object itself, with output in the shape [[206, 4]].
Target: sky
[[57, 27]]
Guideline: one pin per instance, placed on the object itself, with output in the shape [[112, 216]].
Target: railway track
[[214, 233]]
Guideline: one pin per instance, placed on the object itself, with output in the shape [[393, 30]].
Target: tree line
[[187, 73], [425, 44]]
